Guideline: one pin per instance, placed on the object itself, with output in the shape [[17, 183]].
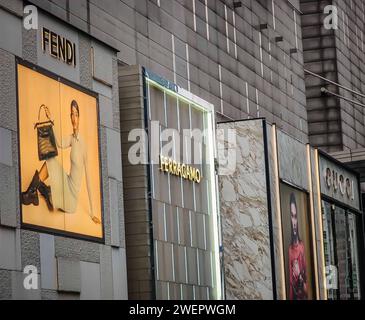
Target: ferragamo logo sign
[[179, 169], [58, 47], [339, 183]]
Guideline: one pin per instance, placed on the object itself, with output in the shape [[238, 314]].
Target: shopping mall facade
[[159, 150]]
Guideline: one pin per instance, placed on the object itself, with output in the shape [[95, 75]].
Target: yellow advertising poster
[[59, 156]]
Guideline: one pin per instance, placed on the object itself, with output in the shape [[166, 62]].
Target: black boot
[[31, 195], [46, 193]]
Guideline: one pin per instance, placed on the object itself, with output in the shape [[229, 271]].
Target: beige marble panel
[[243, 195]]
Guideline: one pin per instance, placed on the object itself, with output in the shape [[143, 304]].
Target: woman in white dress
[[64, 189]]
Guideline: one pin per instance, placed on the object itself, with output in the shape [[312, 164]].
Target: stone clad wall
[[68, 268], [135, 188], [220, 56], [245, 216], [334, 124]]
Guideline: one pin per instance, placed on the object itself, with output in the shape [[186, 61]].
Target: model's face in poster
[[297, 244], [294, 218], [74, 118], [60, 192]]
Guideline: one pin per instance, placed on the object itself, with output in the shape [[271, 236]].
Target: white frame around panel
[[209, 118]]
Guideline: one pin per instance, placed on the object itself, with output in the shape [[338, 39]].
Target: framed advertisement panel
[[297, 243], [182, 184], [59, 155]]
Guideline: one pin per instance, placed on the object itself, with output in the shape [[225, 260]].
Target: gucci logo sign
[[339, 183]]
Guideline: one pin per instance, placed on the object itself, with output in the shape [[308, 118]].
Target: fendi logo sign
[[179, 169], [339, 183], [58, 47]]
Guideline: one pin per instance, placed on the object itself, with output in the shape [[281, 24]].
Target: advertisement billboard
[[297, 243], [60, 188]]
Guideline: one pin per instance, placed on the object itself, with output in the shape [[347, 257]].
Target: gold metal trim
[[320, 225], [278, 214], [313, 229]]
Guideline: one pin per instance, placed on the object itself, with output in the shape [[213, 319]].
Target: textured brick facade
[[334, 124], [67, 267], [217, 51]]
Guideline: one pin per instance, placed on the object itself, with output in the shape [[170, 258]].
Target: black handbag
[[47, 147]]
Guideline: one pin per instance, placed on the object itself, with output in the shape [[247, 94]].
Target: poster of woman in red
[[297, 243], [297, 262]]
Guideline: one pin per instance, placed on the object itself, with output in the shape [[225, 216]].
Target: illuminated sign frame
[[209, 114]]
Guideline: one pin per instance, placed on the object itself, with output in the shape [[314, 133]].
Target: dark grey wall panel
[[338, 55], [150, 36]]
